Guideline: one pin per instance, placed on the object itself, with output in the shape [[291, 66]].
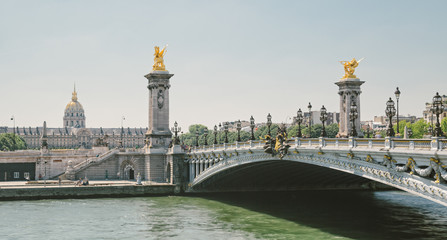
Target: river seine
[[297, 215]]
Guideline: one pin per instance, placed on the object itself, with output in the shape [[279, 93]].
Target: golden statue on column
[[158, 59], [350, 68]]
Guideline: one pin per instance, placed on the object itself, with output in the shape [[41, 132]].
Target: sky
[[230, 59]]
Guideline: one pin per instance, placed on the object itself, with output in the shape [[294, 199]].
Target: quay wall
[[86, 192]]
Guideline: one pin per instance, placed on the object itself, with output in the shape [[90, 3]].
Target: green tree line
[[419, 128], [11, 142]]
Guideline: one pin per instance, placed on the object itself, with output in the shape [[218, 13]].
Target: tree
[[332, 130], [444, 125], [419, 128], [262, 131], [11, 142], [402, 125]]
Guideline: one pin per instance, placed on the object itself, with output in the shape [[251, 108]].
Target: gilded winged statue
[[350, 67], [277, 145], [158, 59]]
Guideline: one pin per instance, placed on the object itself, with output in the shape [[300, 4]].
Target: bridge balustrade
[[377, 143], [343, 142], [362, 142], [422, 144], [373, 143], [331, 142]]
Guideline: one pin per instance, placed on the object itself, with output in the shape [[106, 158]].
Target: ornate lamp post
[[205, 133], [323, 118], [310, 118], [438, 108], [430, 130], [353, 115], [390, 111], [299, 120], [226, 132], [410, 132], [197, 137], [238, 128], [176, 129], [252, 126], [269, 123], [14, 124], [215, 134], [397, 93]]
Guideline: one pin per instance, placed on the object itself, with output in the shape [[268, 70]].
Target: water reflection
[[357, 215], [296, 215]]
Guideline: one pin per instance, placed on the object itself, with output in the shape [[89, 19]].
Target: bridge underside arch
[[284, 175]]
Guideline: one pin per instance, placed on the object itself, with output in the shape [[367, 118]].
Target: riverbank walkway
[[51, 189], [69, 183]]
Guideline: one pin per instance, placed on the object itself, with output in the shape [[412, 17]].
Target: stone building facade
[[74, 133]]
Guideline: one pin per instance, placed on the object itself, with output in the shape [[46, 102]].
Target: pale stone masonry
[[349, 91]]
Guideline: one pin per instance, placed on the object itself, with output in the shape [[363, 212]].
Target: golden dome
[[74, 105]]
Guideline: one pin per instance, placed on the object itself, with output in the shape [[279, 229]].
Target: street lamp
[[269, 123], [390, 111], [238, 128], [353, 115], [310, 117], [176, 129], [252, 126], [299, 120], [122, 119], [215, 134], [197, 137], [323, 118], [205, 133], [226, 132], [14, 124], [438, 108], [397, 93]]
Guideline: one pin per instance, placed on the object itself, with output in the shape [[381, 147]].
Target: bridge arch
[[207, 170]]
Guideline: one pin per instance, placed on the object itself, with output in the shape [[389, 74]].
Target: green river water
[[296, 215]]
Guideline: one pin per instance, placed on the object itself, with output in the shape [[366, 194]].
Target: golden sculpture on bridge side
[[350, 68], [159, 64]]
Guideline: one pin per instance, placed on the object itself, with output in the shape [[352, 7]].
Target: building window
[[77, 114], [16, 174], [71, 123], [26, 175]]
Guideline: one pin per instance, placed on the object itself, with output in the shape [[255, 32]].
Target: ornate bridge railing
[[434, 144], [418, 166]]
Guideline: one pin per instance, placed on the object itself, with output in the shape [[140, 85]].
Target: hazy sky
[[231, 59]]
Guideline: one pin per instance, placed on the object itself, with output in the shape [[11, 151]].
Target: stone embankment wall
[[86, 192], [115, 167]]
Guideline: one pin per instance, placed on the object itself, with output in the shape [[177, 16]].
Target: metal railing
[[98, 159], [373, 143]]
